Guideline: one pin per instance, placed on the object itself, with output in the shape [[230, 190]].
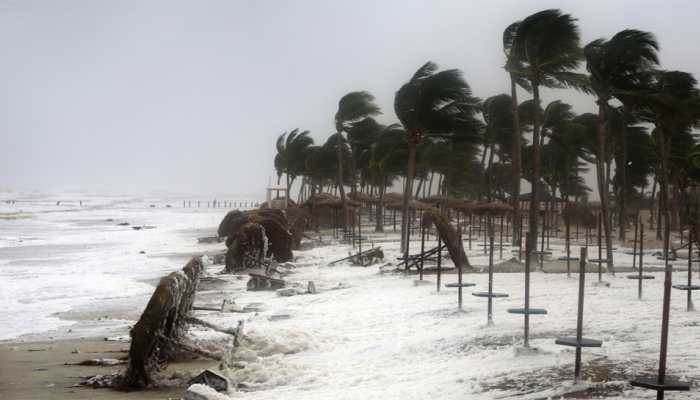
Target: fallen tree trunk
[[451, 236]]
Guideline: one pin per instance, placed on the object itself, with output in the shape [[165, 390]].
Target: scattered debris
[[211, 379], [262, 282], [311, 288], [203, 392]]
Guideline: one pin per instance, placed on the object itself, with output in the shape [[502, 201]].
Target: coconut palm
[[437, 104], [545, 47], [291, 151], [498, 116], [352, 107], [388, 157], [514, 66], [622, 63]]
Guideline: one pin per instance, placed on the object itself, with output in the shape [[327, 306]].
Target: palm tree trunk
[[289, 186], [420, 185], [534, 201], [346, 215], [602, 179], [380, 208], [622, 206], [515, 162], [430, 186], [487, 146], [408, 190], [489, 175], [353, 170], [653, 198]]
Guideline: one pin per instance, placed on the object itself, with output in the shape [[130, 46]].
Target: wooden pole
[[666, 310]]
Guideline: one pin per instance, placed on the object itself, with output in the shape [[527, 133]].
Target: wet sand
[[30, 371]]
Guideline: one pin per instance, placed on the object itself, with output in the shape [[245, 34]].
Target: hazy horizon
[[190, 96]]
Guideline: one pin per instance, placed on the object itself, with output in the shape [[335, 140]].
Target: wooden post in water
[[579, 318]]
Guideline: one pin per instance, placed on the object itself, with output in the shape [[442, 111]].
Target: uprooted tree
[[253, 235], [161, 326]]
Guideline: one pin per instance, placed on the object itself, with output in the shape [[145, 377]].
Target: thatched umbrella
[[243, 229], [491, 208], [363, 198]]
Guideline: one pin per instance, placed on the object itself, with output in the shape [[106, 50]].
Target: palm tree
[[545, 47], [513, 66], [432, 103], [621, 63], [498, 115], [291, 152], [353, 107], [388, 157]]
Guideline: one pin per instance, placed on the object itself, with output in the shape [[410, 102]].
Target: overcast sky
[[189, 96]]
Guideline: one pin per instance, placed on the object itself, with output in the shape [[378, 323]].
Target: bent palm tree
[[621, 63], [353, 107], [546, 47], [432, 103]]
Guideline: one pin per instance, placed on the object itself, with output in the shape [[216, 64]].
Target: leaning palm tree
[[546, 48], [353, 107], [433, 103], [622, 63], [513, 66]]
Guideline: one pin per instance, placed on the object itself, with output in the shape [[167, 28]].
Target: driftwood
[[451, 236], [163, 318]]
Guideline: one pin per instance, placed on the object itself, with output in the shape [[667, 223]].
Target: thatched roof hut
[[330, 201]]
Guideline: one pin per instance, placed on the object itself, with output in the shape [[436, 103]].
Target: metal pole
[[690, 269], [600, 248], [500, 242], [634, 246], [528, 251], [490, 304], [641, 260], [666, 309], [359, 228], [439, 261], [568, 248], [544, 227], [422, 248], [471, 223], [579, 319]]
